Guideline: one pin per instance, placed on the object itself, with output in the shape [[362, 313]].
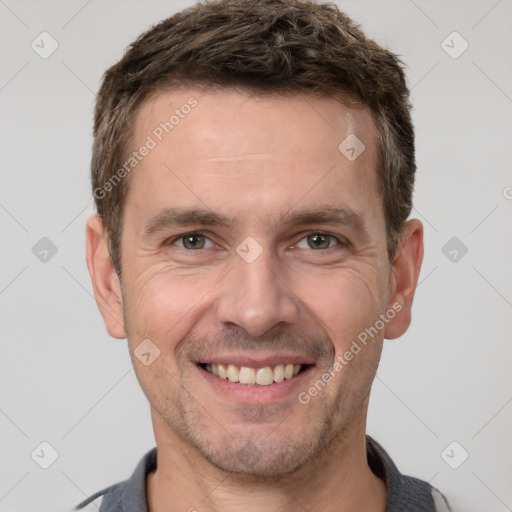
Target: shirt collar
[[134, 497]]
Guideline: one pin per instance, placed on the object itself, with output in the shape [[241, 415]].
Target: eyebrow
[[179, 217], [326, 215]]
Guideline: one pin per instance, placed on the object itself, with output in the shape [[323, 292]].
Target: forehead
[[236, 112], [272, 151]]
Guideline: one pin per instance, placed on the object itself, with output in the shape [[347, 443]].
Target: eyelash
[[340, 241]]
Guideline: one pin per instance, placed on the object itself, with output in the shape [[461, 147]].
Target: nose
[[255, 296]]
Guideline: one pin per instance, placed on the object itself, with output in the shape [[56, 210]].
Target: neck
[[338, 480]]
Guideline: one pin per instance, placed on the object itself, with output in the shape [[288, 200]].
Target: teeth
[[247, 375], [264, 376], [221, 370], [279, 373], [261, 376], [233, 373], [288, 371]]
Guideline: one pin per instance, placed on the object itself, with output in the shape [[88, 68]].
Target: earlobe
[[404, 279], [105, 282]]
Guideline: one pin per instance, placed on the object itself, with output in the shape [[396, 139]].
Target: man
[[253, 168]]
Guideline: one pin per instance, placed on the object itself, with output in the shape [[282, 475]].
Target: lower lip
[[253, 393]]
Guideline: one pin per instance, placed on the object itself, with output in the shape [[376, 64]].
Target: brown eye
[[192, 241], [319, 241]]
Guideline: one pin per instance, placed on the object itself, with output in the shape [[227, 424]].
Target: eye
[[319, 240], [192, 241]]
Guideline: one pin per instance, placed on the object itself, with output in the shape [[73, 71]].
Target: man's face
[[284, 263]]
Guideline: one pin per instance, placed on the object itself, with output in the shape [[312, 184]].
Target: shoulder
[[404, 492], [440, 502], [129, 495], [93, 503]]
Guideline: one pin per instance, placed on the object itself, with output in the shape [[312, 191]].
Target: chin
[[267, 456], [249, 462]]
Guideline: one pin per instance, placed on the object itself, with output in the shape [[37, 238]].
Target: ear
[[106, 285], [404, 278]]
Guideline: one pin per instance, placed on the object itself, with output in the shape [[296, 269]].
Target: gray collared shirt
[[405, 493]]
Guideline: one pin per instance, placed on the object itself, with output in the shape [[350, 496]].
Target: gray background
[[65, 381]]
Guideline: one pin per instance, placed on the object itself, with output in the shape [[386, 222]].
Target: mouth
[[254, 376]]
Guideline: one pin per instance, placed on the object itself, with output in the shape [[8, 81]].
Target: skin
[[256, 160]]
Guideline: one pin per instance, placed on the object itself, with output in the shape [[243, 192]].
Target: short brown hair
[[266, 46]]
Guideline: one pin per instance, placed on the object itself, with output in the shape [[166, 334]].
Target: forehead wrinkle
[[232, 158]]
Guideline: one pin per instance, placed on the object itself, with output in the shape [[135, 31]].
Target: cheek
[[161, 308], [163, 305], [344, 302]]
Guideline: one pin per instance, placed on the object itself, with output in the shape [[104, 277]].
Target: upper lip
[[256, 361]]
